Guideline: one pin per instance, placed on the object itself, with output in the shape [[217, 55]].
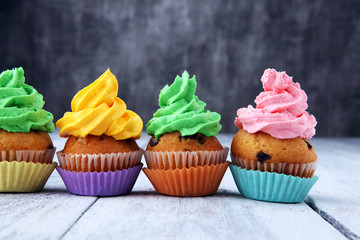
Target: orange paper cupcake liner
[[35, 156], [99, 162], [178, 160], [305, 170], [193, 181]]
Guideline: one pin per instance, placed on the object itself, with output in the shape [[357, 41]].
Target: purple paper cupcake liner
[[100, 183]]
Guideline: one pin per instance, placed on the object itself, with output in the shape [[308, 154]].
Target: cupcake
[[183, 156], [272, 157], [100, 156], [26, 148]]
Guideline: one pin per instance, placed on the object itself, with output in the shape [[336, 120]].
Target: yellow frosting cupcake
[[100, 123], [100, 157], [96, 110]]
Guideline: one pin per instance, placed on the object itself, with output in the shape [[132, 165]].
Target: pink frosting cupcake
[[273, 139], [280, 110]]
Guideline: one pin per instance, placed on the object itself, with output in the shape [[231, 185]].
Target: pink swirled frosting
[[280, 110]]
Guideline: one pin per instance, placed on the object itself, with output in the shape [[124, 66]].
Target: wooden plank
[[336, 196], [45, 215], [225, 215]]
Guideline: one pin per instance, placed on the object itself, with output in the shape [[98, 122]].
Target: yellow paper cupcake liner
[[24, 176]]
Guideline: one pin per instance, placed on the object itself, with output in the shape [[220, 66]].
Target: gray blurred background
[[64, 45]]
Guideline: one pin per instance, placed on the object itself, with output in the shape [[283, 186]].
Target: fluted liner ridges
[[271, 186], [173, 160], [112, 183], [193, 181], [24, 176]]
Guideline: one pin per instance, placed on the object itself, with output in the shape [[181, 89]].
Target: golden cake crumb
[[175, 142], [263, 147], [98, 144], [33, 140]]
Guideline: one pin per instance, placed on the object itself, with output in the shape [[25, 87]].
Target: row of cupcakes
[[272, 159]]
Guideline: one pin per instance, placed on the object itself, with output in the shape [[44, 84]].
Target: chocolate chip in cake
[[197, 137], [185, 149], [262, 157], [154, 142], [308, 144], [102, 138]]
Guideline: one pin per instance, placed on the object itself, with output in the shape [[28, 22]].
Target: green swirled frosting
[[180, 110], [21, 105]]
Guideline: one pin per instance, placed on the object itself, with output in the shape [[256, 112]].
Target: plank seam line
[[83, 212], [331, 220]]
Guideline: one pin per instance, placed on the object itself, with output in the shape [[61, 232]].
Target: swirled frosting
[[280, 110], [180, 110], [21, 105], [97, 110]]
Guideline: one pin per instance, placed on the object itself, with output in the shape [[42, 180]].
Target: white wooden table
[[330, 211]]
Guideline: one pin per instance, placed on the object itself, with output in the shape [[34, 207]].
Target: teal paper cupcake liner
[[271, 186]]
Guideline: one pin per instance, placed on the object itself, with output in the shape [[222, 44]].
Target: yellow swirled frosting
[[97, 110]]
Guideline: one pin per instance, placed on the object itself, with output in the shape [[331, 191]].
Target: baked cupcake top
[[280, 110], [21, 105], [180, 110], [96, 110]]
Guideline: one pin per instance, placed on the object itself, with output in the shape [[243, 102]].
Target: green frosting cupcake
[[180, 110], [21, 105]]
